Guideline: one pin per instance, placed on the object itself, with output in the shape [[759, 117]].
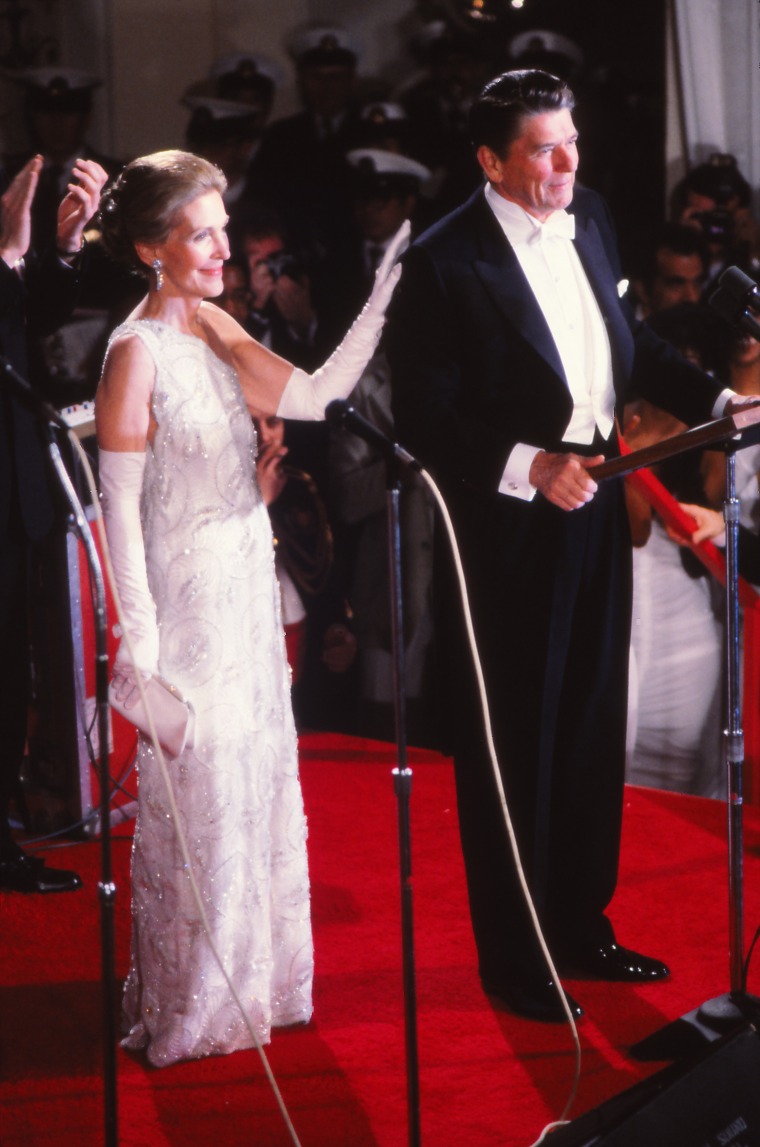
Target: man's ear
[[490, 162]]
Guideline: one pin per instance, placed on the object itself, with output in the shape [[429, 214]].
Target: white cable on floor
[[169, 790], [500, 788]]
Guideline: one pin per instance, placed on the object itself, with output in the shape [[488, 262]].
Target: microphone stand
[[403, 787], [725, 1012], [106, 888], [339, 413]]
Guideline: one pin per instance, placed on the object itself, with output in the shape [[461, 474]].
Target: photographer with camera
[[715, 197], [281, 313], [670, 268]]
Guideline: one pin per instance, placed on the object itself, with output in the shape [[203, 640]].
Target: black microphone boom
[[25, 393], [734, 311], [341, 413], [741, 287]]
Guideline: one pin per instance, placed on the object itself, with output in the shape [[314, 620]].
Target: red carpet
[[485, 1076]]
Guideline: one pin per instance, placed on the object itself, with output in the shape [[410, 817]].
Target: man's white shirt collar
[[520, 227]]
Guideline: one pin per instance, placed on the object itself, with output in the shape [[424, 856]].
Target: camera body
[[717, 225], [284, 263]]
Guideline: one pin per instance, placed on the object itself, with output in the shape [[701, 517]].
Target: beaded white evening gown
[[210, 563]]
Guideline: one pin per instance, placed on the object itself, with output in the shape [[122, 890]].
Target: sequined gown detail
[[210, 565]]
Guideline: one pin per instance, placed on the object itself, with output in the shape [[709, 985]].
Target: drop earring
[[159, 273]]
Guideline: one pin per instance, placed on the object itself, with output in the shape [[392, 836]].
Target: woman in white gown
[[192, 551]]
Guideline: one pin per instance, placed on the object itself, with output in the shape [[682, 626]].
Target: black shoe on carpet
[[612, 962], [22, 873], [537, 1000]]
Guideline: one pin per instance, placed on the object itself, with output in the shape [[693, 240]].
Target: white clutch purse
[[173, 716]]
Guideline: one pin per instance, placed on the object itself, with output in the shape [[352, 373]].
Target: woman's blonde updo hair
[[143, 204]]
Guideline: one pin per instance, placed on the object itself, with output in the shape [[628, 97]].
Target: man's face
[[327, 89], [538, 170], [270, 430], [678, 279], [235, 297], [380, 216]]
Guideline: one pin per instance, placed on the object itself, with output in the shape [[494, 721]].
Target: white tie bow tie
[[559, 225]]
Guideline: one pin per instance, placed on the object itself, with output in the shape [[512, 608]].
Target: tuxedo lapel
[[588, 244], [499, 270]]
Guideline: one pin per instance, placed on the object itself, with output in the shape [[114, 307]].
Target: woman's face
[[193, 254]]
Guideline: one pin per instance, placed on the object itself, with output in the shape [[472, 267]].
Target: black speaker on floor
[[710, 1101]]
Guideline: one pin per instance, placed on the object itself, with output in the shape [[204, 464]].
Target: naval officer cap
[[215, 120], [56, 89], [242, 74], [546, 49], [320, 45], [384, 123], [383, 173]]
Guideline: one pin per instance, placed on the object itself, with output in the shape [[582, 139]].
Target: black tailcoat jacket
[[475, 370]]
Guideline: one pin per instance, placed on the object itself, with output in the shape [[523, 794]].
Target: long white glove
[[121, 479], [306, 395]]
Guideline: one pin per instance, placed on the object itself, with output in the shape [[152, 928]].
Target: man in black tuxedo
[[35, 297], [510, 351]]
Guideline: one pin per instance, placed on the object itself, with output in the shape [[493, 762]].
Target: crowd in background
[[313, 200]]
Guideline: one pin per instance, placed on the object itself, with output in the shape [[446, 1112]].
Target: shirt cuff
[[514, 481], [719, 409]]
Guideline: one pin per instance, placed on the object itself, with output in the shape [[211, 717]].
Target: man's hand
[[79, 205], [740, 402], [563, 478], [15, 212], [292, 298], [338, 648], [269, 472]]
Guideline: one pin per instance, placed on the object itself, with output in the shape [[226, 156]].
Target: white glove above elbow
[[306, 395], [121, 479]]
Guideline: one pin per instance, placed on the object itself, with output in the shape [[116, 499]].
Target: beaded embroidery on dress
[[210, 562]]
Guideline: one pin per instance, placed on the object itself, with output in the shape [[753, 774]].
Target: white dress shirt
[[551, 265]]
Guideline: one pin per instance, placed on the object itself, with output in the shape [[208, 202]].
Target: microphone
[[26, 394], [741, 287], [341, 413], [734, 310]]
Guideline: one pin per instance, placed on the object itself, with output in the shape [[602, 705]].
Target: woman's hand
[[709, 526]]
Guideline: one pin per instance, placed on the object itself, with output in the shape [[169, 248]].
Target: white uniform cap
[[374, 162], [53, 80], [217, 109], [247, 66], [323, 44], [550, 43], [379, 112]]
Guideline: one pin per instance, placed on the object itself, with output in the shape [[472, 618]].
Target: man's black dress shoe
[[611, 962], [537, 1000], [24, 873]]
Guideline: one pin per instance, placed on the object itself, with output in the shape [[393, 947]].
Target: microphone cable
[[180, 836]]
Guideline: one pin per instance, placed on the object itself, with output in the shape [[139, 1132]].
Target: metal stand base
[[694, 1030]]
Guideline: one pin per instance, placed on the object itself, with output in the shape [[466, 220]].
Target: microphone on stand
[[25, 393], [341, 413], [741, 287], [735, 310]]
